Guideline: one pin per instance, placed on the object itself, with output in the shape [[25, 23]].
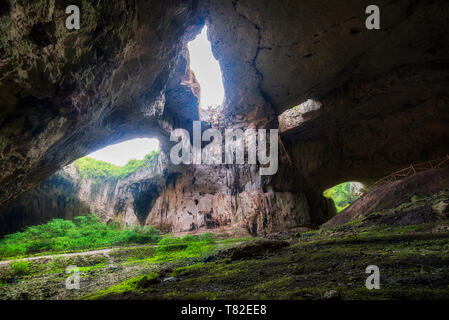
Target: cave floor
[[327, 264], [413, 263]]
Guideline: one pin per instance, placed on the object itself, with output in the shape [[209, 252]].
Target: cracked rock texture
[[189, 199], [383, 97]]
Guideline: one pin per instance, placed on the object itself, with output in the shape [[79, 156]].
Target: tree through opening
[[344, 194]]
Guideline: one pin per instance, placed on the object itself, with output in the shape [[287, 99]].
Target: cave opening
[[299, 114], [344, 194], [207, 71], [120, 154]]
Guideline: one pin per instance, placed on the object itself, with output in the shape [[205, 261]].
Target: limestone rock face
[[66, 194], [65, 93], [296, 116], [209, 198], [428, 188], [383, 100], [56, 197], [191, 199]]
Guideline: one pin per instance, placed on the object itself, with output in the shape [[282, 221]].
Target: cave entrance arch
[[117, 162], [344, 194]]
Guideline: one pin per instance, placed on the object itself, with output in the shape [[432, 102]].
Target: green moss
[[94, 267], [133, 284], [185, 269], [417, 197], [133, 254], [410, 261], [19, 269], [413, 261], [176, 248], [273, 284]]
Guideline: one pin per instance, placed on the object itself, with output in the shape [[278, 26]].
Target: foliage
[[89, 168], [342, 194], [84, 232], [189, 246], [19, 268]]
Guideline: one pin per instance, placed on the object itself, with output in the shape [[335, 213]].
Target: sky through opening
[[120, 153], [207, 70]]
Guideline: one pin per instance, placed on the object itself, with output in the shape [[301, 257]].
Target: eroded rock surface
[[65, 93], [196, 199], [414, 189], [383, 93]]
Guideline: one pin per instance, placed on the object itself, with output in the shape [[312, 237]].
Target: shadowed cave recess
[[351, 104]]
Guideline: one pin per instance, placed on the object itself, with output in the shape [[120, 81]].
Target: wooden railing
[[412, 169]]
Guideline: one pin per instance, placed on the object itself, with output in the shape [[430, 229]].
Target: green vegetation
[[84, 232], [342, 194], [173, 248], [328, 263], [56, 267], [169, 252], [18, 268], [99, 171], [132, 284], [413, 263]]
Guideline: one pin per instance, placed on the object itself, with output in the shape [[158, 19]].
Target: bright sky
[[207, 70], [120, 153]]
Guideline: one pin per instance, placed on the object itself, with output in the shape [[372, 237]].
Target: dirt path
[[71, 254]]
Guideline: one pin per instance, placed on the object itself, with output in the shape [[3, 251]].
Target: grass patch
[[94, 267], [19, 269], [84, 232], [175, 248]]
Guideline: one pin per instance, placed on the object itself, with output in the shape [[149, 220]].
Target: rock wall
[[56, 197], [383, 98], [172, 199], [65, 93], [213, 197]]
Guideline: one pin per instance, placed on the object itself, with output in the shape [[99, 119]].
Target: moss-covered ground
[[111, 271], [413, 263], [329, 263]]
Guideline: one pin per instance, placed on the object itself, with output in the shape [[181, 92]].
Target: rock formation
[[196, 199], [383, 98]]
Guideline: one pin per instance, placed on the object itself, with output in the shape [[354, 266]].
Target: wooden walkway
[[412, 169]]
